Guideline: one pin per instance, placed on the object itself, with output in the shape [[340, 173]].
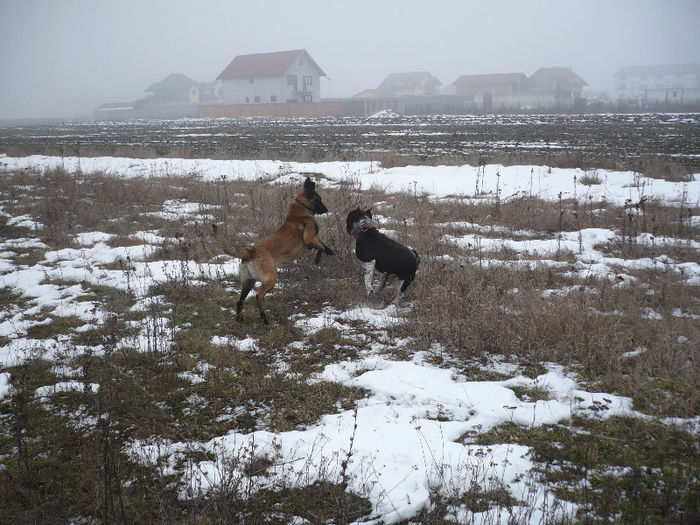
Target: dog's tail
[[241, 253]]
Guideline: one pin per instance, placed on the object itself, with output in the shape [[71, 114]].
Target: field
[[543, 368], [612, 141]]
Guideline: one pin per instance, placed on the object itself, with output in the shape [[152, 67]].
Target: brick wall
[[335, 108]]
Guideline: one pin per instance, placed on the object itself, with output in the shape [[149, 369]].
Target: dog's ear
[[309, 187], [369, 212]]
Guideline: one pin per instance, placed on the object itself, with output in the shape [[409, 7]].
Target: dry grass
[[467, 309]]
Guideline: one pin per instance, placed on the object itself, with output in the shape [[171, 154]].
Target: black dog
[[379, 253]]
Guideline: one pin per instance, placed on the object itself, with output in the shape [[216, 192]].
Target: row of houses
[[548, 88], [288, 84]]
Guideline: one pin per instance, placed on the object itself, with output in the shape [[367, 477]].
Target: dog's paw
[[214, 228], [327, 250], [370, 293]]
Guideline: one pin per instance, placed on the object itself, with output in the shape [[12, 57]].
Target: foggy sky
[[65, 58]]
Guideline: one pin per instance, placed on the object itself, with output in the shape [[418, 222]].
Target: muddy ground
[[605, 140]]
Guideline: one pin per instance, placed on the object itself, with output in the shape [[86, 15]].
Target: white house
[[284, 76], [670, 85]]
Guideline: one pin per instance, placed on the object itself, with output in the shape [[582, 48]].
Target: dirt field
[[607, 140]]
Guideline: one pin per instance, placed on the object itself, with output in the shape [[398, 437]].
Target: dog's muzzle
[[364, 224]]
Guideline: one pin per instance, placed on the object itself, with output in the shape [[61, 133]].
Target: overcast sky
[[65, 58]]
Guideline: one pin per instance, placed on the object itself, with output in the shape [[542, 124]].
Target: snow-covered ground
[[403, 435], [616, 187]]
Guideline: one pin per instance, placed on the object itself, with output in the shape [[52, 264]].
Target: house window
[[308, 80], [257, 100], [251, 80], [307, 98], [273, 98], [292, 80], [247, 100]]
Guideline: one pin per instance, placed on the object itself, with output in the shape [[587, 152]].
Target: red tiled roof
[[561, 74], [265, 64]]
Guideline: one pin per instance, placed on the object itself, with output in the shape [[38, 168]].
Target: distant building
[[669, 85], [180, 89], [548, 88], [175, 88], [416, 93], [497, 84], [280, 77], [176, 96], [597, 100], [562, 82], [492, 91], [420, 83]]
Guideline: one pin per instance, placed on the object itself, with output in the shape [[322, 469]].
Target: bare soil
[[601, 140]]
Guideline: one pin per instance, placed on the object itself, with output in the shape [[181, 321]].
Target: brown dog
[[296, 234]]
